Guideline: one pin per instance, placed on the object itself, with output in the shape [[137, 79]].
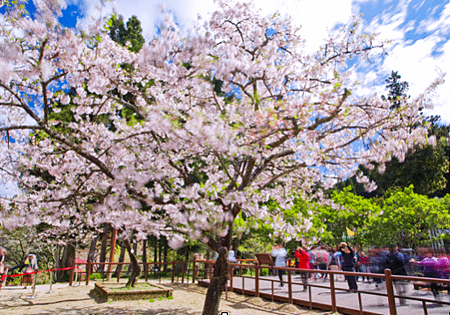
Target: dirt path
[[187, 299]]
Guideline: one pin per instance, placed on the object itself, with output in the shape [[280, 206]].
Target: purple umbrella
[[439, 267]]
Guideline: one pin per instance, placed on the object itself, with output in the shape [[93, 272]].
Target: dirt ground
[[187, 299]]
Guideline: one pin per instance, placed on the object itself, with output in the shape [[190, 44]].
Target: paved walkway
[[42, 288], [372, 303]]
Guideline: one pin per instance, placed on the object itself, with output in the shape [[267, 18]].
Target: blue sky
[[419, 30]]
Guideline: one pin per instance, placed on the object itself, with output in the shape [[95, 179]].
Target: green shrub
[[95, 276], [15, 281]]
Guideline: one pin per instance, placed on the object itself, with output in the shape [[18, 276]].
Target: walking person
[[348, 264], [364, 264], [280, 253], [2, 260], [303, 263], [30, 265], [377, 265], [335, 263], [395, 262], [232, 259], [2, 264], [322, 259]]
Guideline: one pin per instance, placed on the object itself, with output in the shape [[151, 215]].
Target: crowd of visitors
[[347, 258]]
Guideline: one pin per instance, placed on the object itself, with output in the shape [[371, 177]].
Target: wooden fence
[[200, 271]]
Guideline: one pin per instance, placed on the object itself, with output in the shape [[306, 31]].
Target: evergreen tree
[[397, 89], [132, 33]]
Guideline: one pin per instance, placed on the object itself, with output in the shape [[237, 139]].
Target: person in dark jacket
[[395, 262], [348, 264]]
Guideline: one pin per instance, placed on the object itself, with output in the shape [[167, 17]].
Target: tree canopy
[[294, 123], [407, 218]]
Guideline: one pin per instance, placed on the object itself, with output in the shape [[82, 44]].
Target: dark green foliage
[[132, 33], [397, 89]]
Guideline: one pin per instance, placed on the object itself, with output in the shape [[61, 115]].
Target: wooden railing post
[[194, 270], [333, 294], [231, 278], [290, 286], [390, 292], [111, 255], [257, 281], [88, 271]]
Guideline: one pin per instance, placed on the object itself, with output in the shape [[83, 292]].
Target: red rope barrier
[[37, 271]]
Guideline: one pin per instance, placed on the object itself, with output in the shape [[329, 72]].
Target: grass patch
[[138, 286]]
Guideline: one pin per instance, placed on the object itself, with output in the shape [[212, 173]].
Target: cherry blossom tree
[[227, 117]]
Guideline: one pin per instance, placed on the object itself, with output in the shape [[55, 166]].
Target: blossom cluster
[[190, 132]]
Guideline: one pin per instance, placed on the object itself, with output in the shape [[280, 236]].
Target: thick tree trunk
[[160, 250], [103, 249], [71, 248], [144, 254], [62, 262], [71, 251], [144, 251], [58, 261], [91, 254], [187, 253], [130, 268], [135, 245], [155, 252], [220, 274], [164, 240], [217, 284], [136, 269], [121, 259]]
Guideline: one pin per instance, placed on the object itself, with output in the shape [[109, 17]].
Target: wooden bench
[[264, 259], [420, 285], [426, 285]]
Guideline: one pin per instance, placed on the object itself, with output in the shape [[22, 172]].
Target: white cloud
[[314, 16], [441, 25], [416, 59], [149, 12]]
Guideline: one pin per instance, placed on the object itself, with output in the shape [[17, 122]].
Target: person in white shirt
[[280, 253]]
